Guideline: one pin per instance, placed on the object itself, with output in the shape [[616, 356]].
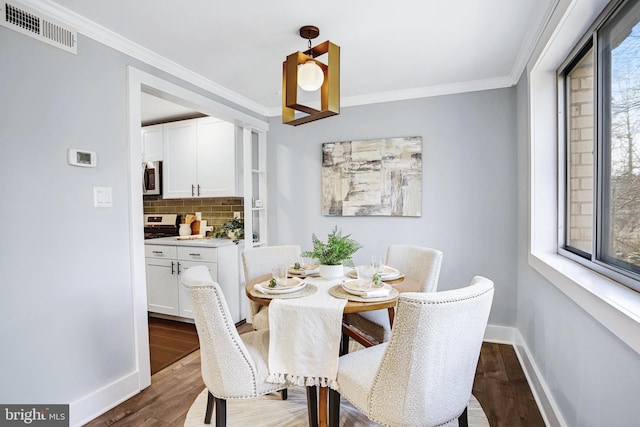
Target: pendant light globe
[[310, 76]]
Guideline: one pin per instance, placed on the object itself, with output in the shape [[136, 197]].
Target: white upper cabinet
[[179, 174], [152, 143], [216, 162], [199, 159]]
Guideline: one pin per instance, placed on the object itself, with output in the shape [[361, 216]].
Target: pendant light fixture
[[304, 70]]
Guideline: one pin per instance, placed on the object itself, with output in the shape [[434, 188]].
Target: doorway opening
[[141, 84]]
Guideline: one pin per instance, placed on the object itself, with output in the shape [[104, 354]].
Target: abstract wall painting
[[379, 177]]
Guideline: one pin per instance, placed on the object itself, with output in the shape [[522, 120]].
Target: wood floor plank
[[169, 341], [520, 386]]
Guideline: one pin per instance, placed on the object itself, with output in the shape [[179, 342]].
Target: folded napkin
[[258, 287], [309, 271], [370, 293], [304, 338], [387, 273]]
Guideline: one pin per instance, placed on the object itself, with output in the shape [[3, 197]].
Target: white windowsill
[[612, 304]]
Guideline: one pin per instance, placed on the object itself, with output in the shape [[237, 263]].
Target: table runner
[[304, 338]]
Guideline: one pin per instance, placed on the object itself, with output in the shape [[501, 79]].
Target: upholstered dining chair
[[415, 262], [259, 261], [233, 366], [424, 374]]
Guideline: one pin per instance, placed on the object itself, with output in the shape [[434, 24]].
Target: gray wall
[[66, 303], [593, 377], [66, 314], [468, 185]]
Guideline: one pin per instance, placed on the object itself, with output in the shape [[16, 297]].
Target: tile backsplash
[[216, 211]]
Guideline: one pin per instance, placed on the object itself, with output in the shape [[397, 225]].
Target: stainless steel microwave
[[151, 178]]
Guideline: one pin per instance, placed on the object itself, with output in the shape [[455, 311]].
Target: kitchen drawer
[[160, 251], [195, 253]]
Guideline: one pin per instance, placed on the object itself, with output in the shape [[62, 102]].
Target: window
[[600, 97]]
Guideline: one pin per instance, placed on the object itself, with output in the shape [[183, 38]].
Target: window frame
[[606, 301], [594, 259]]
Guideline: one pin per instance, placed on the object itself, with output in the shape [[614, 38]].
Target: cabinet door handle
[[193, 190], [198, 189], [178, 267], [157, 252], [194, 254], [172, 270]]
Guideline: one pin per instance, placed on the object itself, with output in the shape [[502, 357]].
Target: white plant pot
[[331, 272]]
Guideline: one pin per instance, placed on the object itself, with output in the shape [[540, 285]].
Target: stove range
[[160, 225]]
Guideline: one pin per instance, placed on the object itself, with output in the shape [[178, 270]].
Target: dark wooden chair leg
[[334, 408], [209, 411], [344, 344], [357, 335], [312, 405], [284, 394], [221, 412], [463, 420]]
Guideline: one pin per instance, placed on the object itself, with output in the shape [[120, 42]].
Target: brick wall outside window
[[580, 205]]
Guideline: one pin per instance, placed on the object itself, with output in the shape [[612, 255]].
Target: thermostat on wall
[[84, 158]]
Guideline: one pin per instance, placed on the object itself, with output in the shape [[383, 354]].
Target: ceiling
[[389, 51]]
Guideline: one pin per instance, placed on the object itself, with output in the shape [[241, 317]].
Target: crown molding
[[109, 38], [422, 92], [112, 39], [531, 40]]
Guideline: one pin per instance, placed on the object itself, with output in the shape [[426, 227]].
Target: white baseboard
[[500, 334], [100, 401], [547, 405]]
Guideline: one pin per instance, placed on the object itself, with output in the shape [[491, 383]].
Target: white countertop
[[209, 242]]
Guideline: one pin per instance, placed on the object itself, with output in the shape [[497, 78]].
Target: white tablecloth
[[304, 337]]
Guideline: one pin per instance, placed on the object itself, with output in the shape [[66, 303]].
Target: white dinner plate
[[293, 284], [353, 287], [388, 273]]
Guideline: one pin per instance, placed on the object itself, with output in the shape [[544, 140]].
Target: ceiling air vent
[[34, 24]]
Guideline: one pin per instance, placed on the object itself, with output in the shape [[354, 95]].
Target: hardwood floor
[[500, 387], [170, 341]]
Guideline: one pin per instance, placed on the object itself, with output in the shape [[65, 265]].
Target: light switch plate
[[102, 197]]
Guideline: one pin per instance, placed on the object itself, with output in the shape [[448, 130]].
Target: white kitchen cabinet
[[179, 175], [216, 159], [152, 143], [165, 265], [162, 270], [199, 159], [189, 256]]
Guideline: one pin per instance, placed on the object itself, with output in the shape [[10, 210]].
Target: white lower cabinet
[[165, 264], [162, 271]]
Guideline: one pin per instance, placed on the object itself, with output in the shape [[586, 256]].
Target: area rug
[[272, 411]]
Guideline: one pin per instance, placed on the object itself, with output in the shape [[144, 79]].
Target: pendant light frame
[[329, 91]]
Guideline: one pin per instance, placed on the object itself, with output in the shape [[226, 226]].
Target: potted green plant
[[334, 254], [233, 230]]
